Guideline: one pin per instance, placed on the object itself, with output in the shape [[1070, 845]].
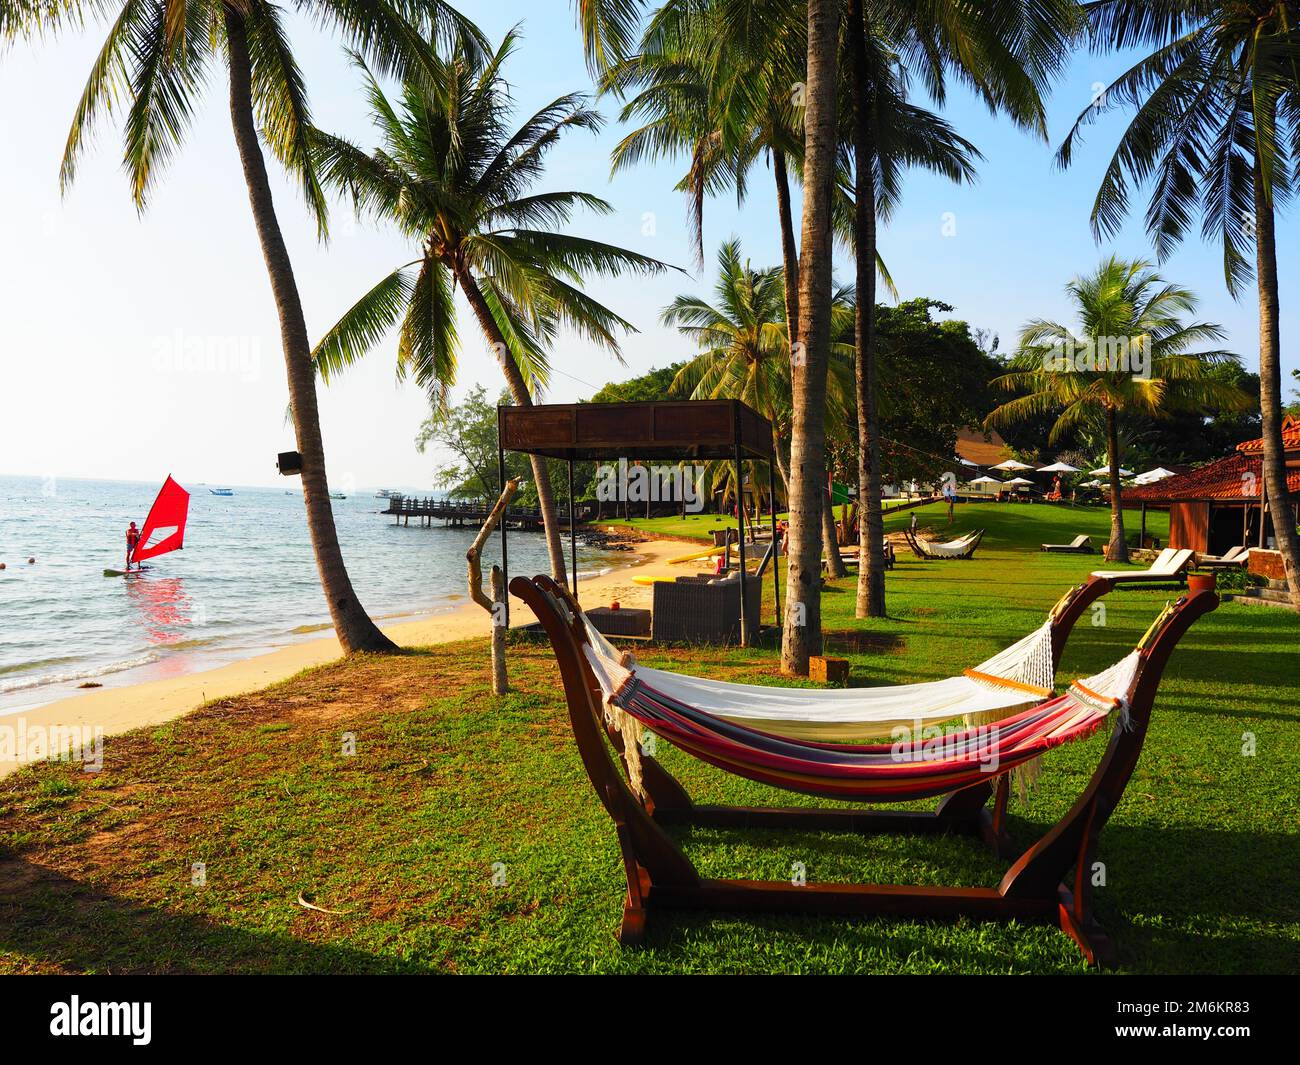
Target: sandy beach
[[117, 710]]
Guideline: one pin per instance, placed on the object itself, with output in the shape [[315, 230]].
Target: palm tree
[[1132, 355], [1007, 52], [156, 58], [802, 633], [716, 82], [744, 348], [1217, 103], [455, 177]]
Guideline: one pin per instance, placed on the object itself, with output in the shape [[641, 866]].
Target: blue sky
[[134, 346]]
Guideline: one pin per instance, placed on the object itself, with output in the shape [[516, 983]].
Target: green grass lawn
[[700, 526], [401, 838]]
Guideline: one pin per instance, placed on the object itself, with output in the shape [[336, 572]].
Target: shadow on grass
[[80, 928]]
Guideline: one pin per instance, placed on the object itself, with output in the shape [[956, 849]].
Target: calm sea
[[246, 580]]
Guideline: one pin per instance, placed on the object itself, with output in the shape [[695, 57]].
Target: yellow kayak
[[695, 555]]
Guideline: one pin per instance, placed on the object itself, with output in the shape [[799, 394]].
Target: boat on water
[[337, 495], [383, 493], [221, 491]]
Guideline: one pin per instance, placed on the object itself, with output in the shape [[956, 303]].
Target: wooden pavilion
[[665, 430]]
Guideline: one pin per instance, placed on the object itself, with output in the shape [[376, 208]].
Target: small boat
[[383, 493], [221, 491], [337, 495]]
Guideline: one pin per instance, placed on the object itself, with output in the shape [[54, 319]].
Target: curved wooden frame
[[968, 553], [1037, 887]]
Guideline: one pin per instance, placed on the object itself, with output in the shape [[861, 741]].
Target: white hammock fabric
[[1019, 674], [951, 549]]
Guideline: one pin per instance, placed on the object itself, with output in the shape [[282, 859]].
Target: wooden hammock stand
[[1038, 886]]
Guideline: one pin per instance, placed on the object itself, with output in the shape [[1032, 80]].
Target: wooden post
[[496, 606]]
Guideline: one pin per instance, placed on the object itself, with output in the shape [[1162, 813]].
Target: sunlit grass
[[450, 788]]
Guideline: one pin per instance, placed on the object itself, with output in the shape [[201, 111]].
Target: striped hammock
[[1019, 674], [962, 547], [915, 766]]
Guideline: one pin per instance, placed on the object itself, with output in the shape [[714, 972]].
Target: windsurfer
[[132, 538]]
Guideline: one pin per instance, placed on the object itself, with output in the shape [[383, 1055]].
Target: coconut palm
[[456, 177], [1007, 52], [1133, 354], [744, 348], [157, 59], [802, 631], [1215, 133]]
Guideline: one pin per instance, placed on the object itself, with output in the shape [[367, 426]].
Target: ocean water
[[245, 581]]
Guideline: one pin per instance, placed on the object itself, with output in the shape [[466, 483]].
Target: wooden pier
[[454, 513]]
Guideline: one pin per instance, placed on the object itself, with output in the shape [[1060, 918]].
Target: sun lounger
[[1234, 556], [1079, 545], [1170, 567]]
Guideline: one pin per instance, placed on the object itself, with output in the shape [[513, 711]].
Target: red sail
[[164, 528]]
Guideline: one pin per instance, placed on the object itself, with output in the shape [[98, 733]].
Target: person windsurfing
[[132, 538], [163, 530]]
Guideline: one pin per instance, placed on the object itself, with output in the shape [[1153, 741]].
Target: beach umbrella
[[1012, 464], [1019, 480], [986, 480], [965, 462], [1151, 476], [1104, 471], [1059, 467]]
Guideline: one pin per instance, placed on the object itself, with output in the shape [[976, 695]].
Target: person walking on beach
[[132, 538]]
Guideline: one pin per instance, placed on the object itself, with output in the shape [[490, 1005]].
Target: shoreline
[[111, 711]]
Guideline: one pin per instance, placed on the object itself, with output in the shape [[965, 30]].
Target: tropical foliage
[[1215, 134], [457, 178], [1133, 353]]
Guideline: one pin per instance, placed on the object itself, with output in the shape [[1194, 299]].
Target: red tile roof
[[1290, 438], [1238, 477]]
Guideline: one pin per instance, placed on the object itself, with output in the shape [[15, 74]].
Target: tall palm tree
[[455, 177], [744, 349], [1131, 355], [157, 58], [1215, 132], [1007, 52], [802, 633], [718, 82]]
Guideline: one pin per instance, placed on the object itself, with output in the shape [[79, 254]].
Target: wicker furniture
[[696, 611], [625, 621]]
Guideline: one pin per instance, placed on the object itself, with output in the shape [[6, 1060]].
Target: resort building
[[1224, 503]]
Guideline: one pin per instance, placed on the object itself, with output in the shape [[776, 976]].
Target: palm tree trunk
[[790, 264], [802, 636], [1270, 388], [782, 465], [789, 253], [355, 630], [519, 392], [1117, 549], [830, 539], [870, 601]]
